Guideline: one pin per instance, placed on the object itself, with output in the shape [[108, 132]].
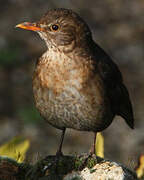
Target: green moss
[[91, 162], [92, 170], [78, 163]]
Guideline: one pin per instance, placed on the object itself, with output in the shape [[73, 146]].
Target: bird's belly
[[72, 109]]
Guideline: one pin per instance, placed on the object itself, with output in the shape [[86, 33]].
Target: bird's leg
[[59, 151], [93, 149], [91, 153]]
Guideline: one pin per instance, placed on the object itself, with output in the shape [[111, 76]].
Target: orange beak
[[29, 26]]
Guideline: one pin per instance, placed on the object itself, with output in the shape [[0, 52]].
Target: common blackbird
[[75, 83]]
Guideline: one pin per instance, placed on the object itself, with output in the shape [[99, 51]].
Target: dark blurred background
[[118, 27]]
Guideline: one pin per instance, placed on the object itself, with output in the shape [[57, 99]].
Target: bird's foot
[[59, 154], [86, 159], [55, 161]]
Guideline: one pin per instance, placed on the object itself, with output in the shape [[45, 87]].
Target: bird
[[76, 84]]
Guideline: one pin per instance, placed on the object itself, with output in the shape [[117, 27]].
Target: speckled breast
[[65, 99]]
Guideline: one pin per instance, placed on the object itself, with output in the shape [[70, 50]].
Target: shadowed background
[[118, 27]]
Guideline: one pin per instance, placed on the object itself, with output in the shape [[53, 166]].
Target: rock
[[81, 167], [104, 170]]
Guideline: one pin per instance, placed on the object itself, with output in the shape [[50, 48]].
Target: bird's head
[[60, 28]]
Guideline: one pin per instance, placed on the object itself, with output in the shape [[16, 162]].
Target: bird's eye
[[54, 27]]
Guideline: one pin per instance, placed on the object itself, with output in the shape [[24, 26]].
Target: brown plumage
[[76, 84]]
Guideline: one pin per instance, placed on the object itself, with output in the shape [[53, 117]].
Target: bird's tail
[[124, 108]]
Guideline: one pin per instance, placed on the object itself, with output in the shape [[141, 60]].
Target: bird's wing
[[115, 89]]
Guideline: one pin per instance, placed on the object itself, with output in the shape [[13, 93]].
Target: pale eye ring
[[54, 27]]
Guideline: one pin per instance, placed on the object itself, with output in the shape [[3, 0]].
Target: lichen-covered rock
[[80, 167], [105, 170]]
